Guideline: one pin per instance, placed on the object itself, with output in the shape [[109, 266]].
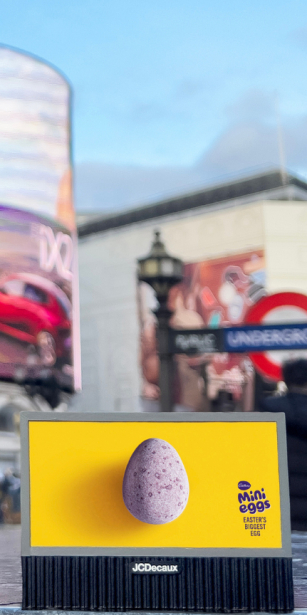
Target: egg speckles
[[155, 485]]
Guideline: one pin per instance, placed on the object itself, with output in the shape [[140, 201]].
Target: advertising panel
[[213, 293], [128, 507], [35, 298], [151, 507], [39, 320]]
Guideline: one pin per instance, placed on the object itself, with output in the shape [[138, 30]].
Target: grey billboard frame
[[277, 418]]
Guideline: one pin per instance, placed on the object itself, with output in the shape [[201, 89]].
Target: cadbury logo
[[244, 484]]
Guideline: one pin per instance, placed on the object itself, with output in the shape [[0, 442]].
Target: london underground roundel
[[280, 308]]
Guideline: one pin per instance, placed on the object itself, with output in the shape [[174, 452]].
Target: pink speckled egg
[[155, 485]]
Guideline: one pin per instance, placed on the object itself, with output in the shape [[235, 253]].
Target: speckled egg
[[155, 485]]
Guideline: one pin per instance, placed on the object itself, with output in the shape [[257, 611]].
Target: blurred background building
[[239, 241]]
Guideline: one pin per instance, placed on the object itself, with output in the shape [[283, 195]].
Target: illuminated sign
[[279, 309], [39, 322], [35, 158], [265, 337], [154, 493]]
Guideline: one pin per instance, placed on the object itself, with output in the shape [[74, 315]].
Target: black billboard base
[[206, 585]]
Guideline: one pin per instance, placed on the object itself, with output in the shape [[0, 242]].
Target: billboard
[[146, 485], [181, 511], [39, 320], [213, 293]]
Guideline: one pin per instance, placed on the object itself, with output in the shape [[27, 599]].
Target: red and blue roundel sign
[[280, 308]]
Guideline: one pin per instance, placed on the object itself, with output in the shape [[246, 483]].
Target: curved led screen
[[39, 323]]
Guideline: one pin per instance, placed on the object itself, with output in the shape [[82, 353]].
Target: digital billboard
[[177, 506], [39, 320]]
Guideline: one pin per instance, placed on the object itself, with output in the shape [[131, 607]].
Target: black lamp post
[[162, 271]]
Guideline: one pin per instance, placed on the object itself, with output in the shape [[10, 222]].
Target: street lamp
[[162, 271]]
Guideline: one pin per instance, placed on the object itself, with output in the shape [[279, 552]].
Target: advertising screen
[[177, 482], [39, 322], [153, 507], [173, 497]]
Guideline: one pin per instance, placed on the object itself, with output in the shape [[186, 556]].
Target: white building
[[263, 213]]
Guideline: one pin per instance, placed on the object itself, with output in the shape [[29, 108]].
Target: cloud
[[300, 35], [248, 144], [252, 138], [253, 105], [180, 98], [251, 144], [189, 88], [242, 146], [148, 112], [295, 142], [106, 187]]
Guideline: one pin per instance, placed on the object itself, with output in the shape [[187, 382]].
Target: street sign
[[265, 337], [195, 341], [279, 308], [275, 330], [248, 338]]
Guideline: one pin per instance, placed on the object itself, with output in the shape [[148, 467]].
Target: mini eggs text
[[254, 501]]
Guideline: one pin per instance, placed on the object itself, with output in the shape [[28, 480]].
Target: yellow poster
[[230, 485]]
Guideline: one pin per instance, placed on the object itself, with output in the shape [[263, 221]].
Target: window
[[35, 294]]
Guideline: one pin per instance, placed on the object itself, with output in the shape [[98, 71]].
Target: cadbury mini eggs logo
[[243, 484], [252, 501]]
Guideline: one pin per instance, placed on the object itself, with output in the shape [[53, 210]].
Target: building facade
[[256, 225]]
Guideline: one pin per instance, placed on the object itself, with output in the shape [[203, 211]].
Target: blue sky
[[170, 95]]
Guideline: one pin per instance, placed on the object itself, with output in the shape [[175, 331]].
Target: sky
[[171, 95]]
